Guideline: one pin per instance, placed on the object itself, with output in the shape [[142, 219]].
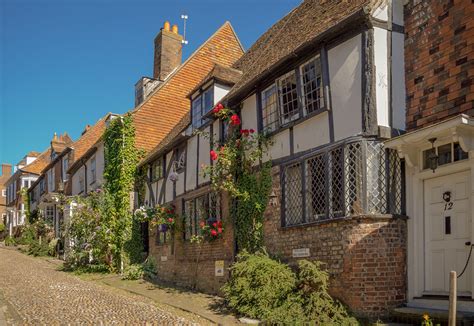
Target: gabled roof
[[167, 143], [159, 114], [297, 29], [39, 164]]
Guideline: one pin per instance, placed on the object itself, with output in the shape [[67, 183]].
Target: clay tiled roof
[[159, 114], [39, 164], [59, 144], [168, 141], [88, 139], [291, 34]]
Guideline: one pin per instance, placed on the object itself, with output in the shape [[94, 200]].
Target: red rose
[[219, 224], [252, 131], [213, 233], [214, 224], [170, 220], [235, 120], [219, 230], [217, 108], [213, 155]]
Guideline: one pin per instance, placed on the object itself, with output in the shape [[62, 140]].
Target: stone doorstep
[[416, 314]]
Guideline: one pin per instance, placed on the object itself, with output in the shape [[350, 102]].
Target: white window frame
[[294, 116], [276, 124], [303, 92]]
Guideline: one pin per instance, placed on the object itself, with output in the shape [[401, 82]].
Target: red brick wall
[[181, 255], [365, 256], [439, 60]]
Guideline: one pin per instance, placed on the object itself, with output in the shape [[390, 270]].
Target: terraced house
[[320, 83], [27, 171], [439, 151]]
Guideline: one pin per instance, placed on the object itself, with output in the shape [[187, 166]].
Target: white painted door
[[447, 230]]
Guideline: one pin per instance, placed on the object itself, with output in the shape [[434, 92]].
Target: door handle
[[468, 243]]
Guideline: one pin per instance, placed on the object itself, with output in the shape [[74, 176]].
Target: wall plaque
[[300, 252], [219, 268]]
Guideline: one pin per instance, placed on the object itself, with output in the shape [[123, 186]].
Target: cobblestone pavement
[[41, 295]]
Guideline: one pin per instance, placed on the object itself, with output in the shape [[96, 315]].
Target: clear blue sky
[[65, 63]]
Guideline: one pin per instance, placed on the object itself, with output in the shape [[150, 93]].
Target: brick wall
[[181, 256], [439, 59], [365, 256]]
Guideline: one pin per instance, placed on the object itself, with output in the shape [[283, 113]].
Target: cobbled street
[[34, 292]]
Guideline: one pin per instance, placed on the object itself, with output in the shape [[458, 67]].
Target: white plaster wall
[[397, 12], [346, 84], [180, 184], [381, 12], [311, 133], [249, 113], [398, 81], [75, 180], [204, 157], [191, 159], [219, 92], [381, 76], [280, 147]]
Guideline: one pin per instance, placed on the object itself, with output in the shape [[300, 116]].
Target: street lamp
[[433, 158]]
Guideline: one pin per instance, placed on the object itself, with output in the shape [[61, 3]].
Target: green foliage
[[121, 159], [133, 272], [263, 288], [10, 241], [238, 171], [149, 267], [2, 227], [35, 248]]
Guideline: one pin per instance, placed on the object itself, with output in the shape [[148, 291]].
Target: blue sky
[[65, 63]]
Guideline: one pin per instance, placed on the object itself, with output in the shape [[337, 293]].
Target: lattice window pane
[[336, 183], [395, 182], [316, 190], [353, 167], [312, 86], [270, 109], [376, 178], [293, 195], [288, 96]]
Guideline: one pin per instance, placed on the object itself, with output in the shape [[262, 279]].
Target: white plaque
[[164, 258], [301, 252], [219, 267]]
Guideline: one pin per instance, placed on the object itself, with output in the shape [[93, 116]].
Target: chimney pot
[[175, 29], [166, 26]]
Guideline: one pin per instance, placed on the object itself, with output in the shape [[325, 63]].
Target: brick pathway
[[39, 294]]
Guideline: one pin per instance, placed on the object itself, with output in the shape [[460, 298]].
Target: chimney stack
[[6, 169], [168, 51]]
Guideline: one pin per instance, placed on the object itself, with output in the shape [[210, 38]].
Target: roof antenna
[[184, 17]]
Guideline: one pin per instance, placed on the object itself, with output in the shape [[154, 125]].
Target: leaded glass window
[[312, 85], [288, 97]]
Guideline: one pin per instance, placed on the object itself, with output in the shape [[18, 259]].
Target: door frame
[[416, 243]]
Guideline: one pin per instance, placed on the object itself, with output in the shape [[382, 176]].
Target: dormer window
[[201, 105]]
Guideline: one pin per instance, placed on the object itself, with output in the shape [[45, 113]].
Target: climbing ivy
[[121, 159], [238, 170]]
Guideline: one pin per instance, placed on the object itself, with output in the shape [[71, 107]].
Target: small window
[[197, 111], [270, 109], [157, 169], [312, 86], [293, 195], [288, 97], [93, 170], [49, 214], [4, 192], [444, 154], [459, 154], [65, 167], [205, 209], [201, 105], [208, 100]]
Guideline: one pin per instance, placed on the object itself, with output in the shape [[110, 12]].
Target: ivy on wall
[[238, 170], [121, 159]]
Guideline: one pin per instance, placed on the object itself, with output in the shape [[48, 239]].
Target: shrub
[[36, 248], [133, 272], [10, 241], [263, 288], [2, 227], [149, 267]]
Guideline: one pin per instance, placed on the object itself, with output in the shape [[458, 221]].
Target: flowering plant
[[161, 215], [211, 231]]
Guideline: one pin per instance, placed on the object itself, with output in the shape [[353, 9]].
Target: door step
[[438, 316], [464, 304]]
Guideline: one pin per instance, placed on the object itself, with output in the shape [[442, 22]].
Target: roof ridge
[[175, 71]]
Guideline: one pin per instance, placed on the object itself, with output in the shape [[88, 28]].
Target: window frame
[[195, 220], [322, 108], [93, 169], [203, 110], [297, 114], [276, 112], [453, 157], [65, 166], [161, 162]]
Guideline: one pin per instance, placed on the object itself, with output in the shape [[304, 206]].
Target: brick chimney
[[168, 51], [6, 169]]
